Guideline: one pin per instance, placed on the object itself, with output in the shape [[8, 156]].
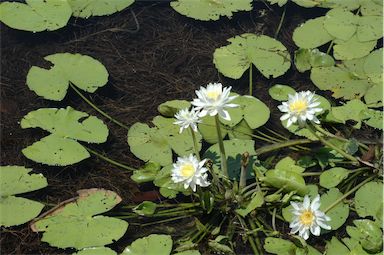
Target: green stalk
[[277, 146], [164, 221], [281, 22], [330, 47], [97, 108], [195, 146], [347, 194], [221, 146], [250, 80], [257, 240], [325, 142], [110, 160], [243, 173]]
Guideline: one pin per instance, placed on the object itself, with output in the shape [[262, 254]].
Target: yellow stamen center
[[298, 106], [306, 218], [213, 94], [187, 170]]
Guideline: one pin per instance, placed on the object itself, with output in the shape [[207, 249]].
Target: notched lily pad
[[352, 48], [77, 224], [17, 180], [368, 234], [269, 56], [82, 71], [332, 177], [150, 245], [305, 59], [280, 92], [210, 9], [88, 8], [170, 108], [340, 23], [304, 35], [352, 110], [369, 200]]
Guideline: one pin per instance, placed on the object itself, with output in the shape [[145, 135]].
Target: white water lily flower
[[300, 107], [186, 118], [190, 172], [213, 100], [308, 218]]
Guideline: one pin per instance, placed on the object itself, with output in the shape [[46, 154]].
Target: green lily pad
[[82, 71], [88, 8], [66, 123], [338, 213], [207, 128], [369, 201], [373, 67], [17, 180], [352, 48], [279, 2], [145, 208], [371, 8], [147, 173], [343, 4], [169, 188], [350, 111], [210, 9], [305, 59], [373, 118], [306, 3], [55, 150], [304, 37], [340, 23], [269, 56], [335, 247], [374, 96], [189, 252], [233, 149], [291, 181], [332, 177], [340, 81], [35, 15], [299, 131], [96, 251], [170, 108], [288, 164], [256, 202], [150, 245], [368, 234], [370, 28], [241, 131], [279, 246], [78, 225], [280, 92]]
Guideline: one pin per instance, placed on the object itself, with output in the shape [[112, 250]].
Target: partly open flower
[[186, 118], [213, 100], [190, 172], [300, 107], [308, 218]]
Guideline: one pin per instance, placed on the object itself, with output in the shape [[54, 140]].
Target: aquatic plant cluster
[[204, 150]]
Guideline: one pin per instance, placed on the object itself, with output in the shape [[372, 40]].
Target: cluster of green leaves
[[41, 15], [17, 180]]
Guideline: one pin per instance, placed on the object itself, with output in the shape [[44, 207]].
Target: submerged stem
[[221, 146], [97, 108], [250, 80], [113, 162], [281, 22]]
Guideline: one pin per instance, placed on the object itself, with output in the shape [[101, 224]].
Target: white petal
[[315, 203], [315, 230], [306, 202]]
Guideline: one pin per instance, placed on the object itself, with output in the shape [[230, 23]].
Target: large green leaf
[[368, 234], [338, 213], [369, 200], [352, 110], [207, 128], [150, 245], [373, 118], [288, 180], [16, 180], [335, 247], [352, 48], [256, 202], [87, 8], [210, 9], [340, 23], [66, 123], [304, 35], [234, 149], [35, 15], [343, 4], [279, 246], [75, 225], [369, 7], [96, 251], [280, 92], [55, 150], [83, 71], [370, 28], [269, 56], [373, 67], [332, 177]]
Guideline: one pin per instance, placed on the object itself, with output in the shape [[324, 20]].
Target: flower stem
[[221, 146], [325, 142], [348, 193], [110, 160], [277, 146], [195, 146], [250, 80], [97, 108], [281, 22]]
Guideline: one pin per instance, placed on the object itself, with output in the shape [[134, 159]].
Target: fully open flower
[[308, 218], [186, 118], [190, 172], [213, 100], [300, 107]]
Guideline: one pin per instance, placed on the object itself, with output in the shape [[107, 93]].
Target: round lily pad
[[332, 177], [373, 118], [150, 245], [305, 59], [352, 110], [352, 48], [370, 28], [96, 251], [304, 35], [170, 108], [280, 92], [88, 8], [373, 67], [369, 201], [340, 23], [338, 213]]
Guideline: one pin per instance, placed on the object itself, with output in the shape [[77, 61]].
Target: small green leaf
[[96, 251], [65, 122], [335, 247], [54, 150], [352, 110], [279, 2], [16, 180], [288, 164], [368, 234], [147, 173], [373, 118], [78, 225], [332, 177], [150, 245], [338, 213], [369, 201], [88, 8], [290, 181], [269, 56], [340, 23], [352, 48], [170, 108], [304, 37], [169, 188], [279, 246], [35, 15], [305, 59], [256, 202], [280, 92], [210, 9], [145, 208]]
